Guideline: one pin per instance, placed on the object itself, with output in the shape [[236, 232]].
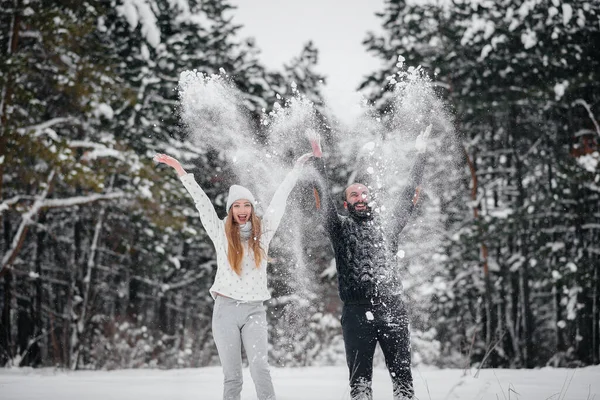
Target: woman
[[240, 287]]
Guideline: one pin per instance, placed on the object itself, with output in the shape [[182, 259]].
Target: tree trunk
[[39, 329], [556, 284], [505, 323], [87, 283], [70, 325], [526, 315], [6, 348], [25, 330], [6, 352], [558, 336], [585, 271], [514, 317], [490, 322], [134, 287], [524, 289], [596, 316], [7, 89]]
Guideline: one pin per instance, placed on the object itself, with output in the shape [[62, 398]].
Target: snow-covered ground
[[314, 383]]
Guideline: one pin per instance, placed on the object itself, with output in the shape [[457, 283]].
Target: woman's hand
[[315, 142], [171, 162]]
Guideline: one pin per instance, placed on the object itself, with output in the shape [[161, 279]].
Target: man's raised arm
[[324, 200], [405, 205]]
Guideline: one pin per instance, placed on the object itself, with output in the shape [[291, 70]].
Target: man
[[365, 246]]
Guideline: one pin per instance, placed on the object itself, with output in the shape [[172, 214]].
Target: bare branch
[[585, 105]]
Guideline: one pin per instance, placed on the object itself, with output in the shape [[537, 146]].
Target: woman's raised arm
[[208, 215], [276, 208], [171, 162]]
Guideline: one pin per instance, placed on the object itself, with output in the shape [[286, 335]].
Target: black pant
[[365, 325]]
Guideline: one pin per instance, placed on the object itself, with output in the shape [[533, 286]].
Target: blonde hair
[[235, 250]]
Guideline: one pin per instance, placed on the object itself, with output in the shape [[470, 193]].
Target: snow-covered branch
[[585, 105], [17, 241], [86, 143], [100, 153], [161, 100], [40, 127], [441, 84], [99, 150], [177, 285], [188, 281], [78, 200], [40, 203], [140, 12], [9, 202], [18, 359]]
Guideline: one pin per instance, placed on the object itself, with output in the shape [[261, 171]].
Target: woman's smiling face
[[242, 211]]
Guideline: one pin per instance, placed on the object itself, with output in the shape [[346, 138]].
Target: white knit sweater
[[251, 285]]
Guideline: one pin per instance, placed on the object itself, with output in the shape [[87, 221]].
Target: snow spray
[[213, 111], [381, 150]]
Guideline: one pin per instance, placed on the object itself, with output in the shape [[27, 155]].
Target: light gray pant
[[233, 323]]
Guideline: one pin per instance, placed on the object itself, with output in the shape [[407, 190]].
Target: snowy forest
[[105, 264]]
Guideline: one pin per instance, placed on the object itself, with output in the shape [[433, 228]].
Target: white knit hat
[[237, 192]]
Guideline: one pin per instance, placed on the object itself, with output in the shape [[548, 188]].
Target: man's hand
[[315, 142], [415, 198], [302, 159], [422, 139], [171, 162]]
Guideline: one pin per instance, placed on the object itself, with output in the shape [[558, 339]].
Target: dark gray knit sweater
[[365, 254]]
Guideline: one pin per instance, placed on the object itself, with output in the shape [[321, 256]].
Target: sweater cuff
[[187, 180]]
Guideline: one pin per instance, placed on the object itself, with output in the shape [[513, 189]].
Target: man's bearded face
[[357, 201]]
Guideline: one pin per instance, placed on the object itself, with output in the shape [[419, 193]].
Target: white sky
[[336, 27]]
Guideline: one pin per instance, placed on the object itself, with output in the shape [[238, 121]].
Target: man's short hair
[[345, 196]]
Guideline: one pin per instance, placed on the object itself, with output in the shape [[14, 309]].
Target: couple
[[373, 310]]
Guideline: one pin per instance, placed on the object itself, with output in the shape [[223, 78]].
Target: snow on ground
[[312, 383]]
